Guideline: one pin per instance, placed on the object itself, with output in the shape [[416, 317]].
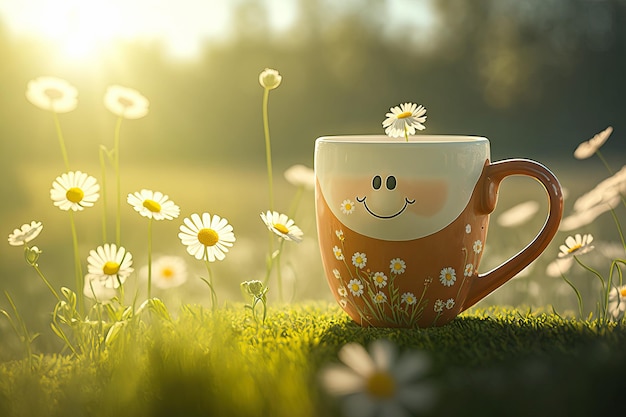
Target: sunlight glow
[[82, 30]]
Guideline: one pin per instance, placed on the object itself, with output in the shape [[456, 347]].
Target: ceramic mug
[[402, 225]]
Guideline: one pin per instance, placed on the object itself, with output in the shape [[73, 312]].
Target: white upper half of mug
[[391, 189]]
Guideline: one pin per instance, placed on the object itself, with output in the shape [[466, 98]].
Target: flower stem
[[268, 147], [209, 282], [604, 161], [57, 126], [118, 206], [279, 276], [78, 270], [270, 178], [45, 280], [619, 228], [605, 288], [578, 296], [150, 258]]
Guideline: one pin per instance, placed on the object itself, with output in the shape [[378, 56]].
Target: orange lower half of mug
[[414, 283]]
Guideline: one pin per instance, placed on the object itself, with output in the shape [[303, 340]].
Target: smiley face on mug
[[387, 205]]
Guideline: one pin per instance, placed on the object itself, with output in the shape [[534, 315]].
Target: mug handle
[[493, 175]]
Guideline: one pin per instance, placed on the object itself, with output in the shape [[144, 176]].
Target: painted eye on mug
[[391, 182], [377, 182]]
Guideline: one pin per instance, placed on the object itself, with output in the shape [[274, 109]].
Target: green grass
[[493, 361]]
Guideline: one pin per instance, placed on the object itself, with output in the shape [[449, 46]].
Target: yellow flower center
[[348, 206], [574, 248], [208, 237], [281, 228], [111, 268], [410, 300], [152, 205], [448, 276], [53, 93], [623, 292], [358, 260], [167, 273], [397, 266], [75, 195], [405, 115], [380, 385], [355, 287]]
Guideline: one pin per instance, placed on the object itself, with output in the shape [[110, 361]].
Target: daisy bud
[[32, 255], [270, 79]]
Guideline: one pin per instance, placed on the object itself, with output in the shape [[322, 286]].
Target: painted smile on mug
[[390, 185]]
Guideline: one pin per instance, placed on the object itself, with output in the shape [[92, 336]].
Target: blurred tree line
[[536, 77]]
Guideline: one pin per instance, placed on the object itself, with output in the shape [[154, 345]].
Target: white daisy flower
[[126, 102], [359, 260], [53, 94], [379, 298], [380, 279], [617, 302], [449, 303], [74, 191], [98, 291], [340, 235], [404, 120], [408, 298], [356, 287], [282, 226], [153, 205], [469, 270], [26, 233], [338, 253], [270, 78], [438, 306], [576, 245], [167, 272], [447, 276], [381, 382], [300, 176], [478, 246], [468, 228], [590, 147], [347, 206], [397, 266], [206, 237], [343, 303], [342, 291], [336, 273], [109, 265]]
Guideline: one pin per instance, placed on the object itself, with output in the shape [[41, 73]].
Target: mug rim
[[414, 139]]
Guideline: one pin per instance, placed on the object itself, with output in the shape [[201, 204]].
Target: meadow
[[194, 347], [239, 194]]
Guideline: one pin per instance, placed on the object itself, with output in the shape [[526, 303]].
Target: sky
[[81, 27]]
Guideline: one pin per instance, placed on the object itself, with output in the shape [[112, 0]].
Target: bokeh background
[[536, 77]]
